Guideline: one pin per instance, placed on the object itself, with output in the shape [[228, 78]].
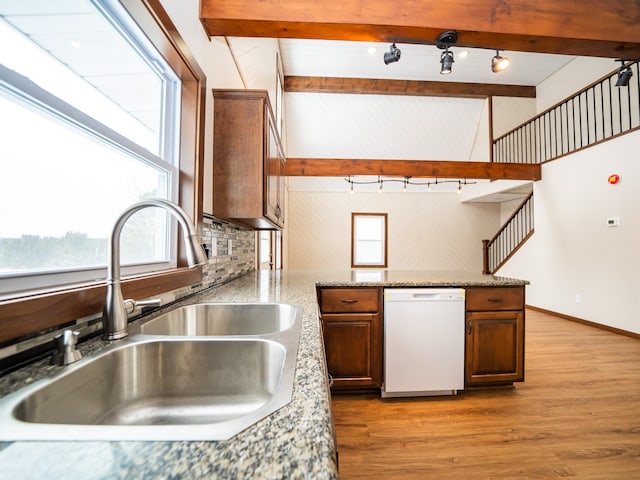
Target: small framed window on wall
[[368, 240]]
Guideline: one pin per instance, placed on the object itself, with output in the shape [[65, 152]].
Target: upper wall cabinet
[[248, 162]]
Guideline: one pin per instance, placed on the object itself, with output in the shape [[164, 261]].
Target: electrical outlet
[[578, 298], [613, 222], [229, 247]]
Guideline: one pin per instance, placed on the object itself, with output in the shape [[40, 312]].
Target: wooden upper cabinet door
[[494, 347], [272, 167], [238, 153], [349, 300]]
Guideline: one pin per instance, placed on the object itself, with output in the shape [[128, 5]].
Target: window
[[90, 119], [23, 314], [369, 240]]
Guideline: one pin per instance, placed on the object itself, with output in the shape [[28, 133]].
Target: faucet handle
[[66, 351], [130, 306]]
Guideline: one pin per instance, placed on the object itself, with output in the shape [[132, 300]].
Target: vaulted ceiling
[[328, 46]]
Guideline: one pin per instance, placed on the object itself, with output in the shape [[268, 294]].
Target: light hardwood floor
[[577, 415]]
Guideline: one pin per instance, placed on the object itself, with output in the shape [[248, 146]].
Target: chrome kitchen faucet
[[114, 316]]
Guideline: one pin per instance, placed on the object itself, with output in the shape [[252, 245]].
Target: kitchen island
[[297, 441]]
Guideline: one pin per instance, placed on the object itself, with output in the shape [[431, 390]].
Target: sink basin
[[214, 319], [156, 389]]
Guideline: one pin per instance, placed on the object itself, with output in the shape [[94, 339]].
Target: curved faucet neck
[[114, 315]]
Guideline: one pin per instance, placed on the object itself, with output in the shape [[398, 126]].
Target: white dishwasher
[[423, 341]]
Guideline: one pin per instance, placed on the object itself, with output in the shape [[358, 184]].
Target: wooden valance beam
[[372, 86], [340, 167], [588, 27]]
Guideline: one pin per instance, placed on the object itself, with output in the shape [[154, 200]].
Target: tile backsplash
[[231, 251]]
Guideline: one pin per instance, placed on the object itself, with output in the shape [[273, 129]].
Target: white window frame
[[33, 95], [355, 240]]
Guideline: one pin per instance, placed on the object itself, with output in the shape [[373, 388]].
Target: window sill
[[27, 315]]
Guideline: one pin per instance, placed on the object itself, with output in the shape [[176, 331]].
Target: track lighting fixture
[[624, 74], [446, 62], [406, 181], [623, 77], [499, 63], [393, 55], [447, 39], [444, 41]]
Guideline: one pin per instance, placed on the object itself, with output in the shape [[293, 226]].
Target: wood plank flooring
[[577, 415]]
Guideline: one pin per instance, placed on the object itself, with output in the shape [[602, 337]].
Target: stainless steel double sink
[[199, 372]]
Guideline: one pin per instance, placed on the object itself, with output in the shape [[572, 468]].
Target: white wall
[[573, 252], [381, 126], [579, 73], [481, 149], [216, 61], [509, 112], [427, 231]]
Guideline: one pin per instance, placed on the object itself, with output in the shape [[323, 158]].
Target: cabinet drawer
[[346, 300], [498, 298]]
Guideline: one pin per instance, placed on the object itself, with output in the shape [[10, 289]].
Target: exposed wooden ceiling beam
[[588, 27], [339, 167], [404, 87]]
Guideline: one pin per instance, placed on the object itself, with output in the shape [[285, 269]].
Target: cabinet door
[[281, 190], [494, 347], [354, 350], [272, 177]]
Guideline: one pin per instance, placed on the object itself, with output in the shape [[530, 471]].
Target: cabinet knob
[[470, 327], [349, 300], [494, 300]]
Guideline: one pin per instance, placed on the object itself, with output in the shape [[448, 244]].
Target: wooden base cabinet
[[352, 331], [494, 348]]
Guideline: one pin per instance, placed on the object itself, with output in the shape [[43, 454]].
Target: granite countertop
[[295, 442], [412, 278]]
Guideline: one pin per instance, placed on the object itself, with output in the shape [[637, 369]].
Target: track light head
[[393, 55], [446, 62], [499, 63], [624, 75]]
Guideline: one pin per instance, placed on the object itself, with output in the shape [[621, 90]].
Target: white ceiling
[[327, 58]]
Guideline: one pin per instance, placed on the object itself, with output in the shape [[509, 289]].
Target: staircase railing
[[598, 112], [515, 231]]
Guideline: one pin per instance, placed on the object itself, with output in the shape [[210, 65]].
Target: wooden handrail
[[509, 238], [599, 112], [560, 103], [513, 215]]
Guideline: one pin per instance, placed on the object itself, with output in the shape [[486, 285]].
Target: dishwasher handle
[[426, 296]]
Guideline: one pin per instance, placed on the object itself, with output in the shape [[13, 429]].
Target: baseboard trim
[[619, 331]]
